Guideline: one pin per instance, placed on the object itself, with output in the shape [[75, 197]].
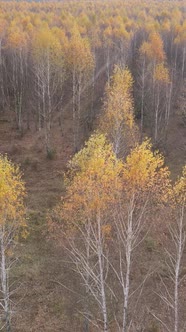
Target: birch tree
[[117, 120], [170, 294], [162, 95], [94, 181], [12, 223], [80, 64], [3, 82], [144, 178], [155, 86], [143, 78], [17, 44], [49, 74]]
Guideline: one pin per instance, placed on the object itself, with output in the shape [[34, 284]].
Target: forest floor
[[175, 152], [41, 303]]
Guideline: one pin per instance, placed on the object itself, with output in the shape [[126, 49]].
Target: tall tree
[[117, 120], [162, 97], [155, 86], [17, 45], [170, 292], [12, 223], [3, 71], [144, 179], [49, 73], [80, 64], [93, 183]]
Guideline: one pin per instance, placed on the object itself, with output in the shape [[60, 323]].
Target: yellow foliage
[[153, 49], [107, 36], [120, 103], [179, 190], [17, 39], [106, 229], [145, 48], [118, 117], [46, 45], [93, 178], [12, 193], [144, 171], [97, 182], [166, 25], [161, 73], [78, 54], [2, 27]]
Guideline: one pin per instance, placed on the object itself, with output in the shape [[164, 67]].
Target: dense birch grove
[[57, 55], [117, 71]]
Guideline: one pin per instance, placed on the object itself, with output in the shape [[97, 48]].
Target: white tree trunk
[[4, 282], [101, 270]]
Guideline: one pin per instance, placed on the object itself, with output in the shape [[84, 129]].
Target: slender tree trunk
[[86, 320], [102, 282], [156, 115], [168, 106], [183, 62], [176, 55], [179, 247], [2, 87], [108, 64], [4, 283], [142, 98], [39, 104], [44, 111], [93, 89], [78, 112], [129, 236], [74, 107], [20, 92], [49, 107]]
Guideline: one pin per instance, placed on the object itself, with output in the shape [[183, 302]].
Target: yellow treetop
[[119, 101], [161, 73], [144, 171], [179, 190], [94, 178], [12, 193], [78, 54], [153, 49], [3, 25], [180, 34], [17, 39], [118, 115], [46, 44]]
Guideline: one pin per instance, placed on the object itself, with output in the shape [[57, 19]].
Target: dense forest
[[93, 166]]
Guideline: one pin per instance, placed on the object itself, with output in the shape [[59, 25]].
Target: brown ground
[[176, 146], [39, 301]]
